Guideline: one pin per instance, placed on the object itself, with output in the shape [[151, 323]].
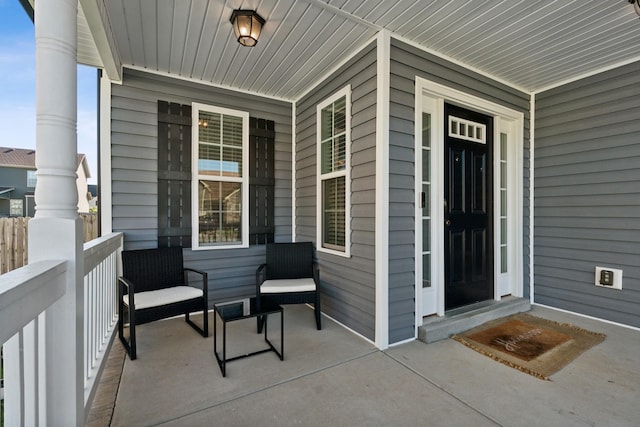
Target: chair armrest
[[205, 279], [261, 275], [128, 284], [316, 275]]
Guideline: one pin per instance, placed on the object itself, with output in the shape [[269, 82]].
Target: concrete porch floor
[[333, 377]]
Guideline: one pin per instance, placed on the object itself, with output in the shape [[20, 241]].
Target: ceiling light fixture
[[247, 25], [636, 6]]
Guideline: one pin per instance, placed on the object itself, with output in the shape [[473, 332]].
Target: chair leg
[[205, 317], [318, 317], [316, 308], [130, 345], [260, 320], [132, 340], [204, 330]]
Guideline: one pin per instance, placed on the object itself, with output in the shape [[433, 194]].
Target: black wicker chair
[[155, 286], [289, 276]]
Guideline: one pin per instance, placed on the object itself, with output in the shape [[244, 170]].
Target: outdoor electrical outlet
[[608, 277]]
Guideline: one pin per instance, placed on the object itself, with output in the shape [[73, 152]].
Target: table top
[[244, 308]]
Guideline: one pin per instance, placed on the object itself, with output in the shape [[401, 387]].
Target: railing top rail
[[28, 291], [98, 249]]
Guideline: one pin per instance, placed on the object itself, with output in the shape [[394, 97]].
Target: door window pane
[[426, 200], [503, 203]]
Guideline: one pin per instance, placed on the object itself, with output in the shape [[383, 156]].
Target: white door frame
[[430, 97]]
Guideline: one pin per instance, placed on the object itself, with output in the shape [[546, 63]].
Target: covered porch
[[58, 313], [333, 377]]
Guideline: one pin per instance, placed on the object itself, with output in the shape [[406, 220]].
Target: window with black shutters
[[218, 161]]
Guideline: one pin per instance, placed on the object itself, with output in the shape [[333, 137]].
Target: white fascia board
[[107, 52]]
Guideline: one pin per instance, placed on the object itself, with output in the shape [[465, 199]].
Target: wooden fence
[[13, 239]]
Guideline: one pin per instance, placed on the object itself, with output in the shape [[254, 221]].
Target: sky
[[17, 88]]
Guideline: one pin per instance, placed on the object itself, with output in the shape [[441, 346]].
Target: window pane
[[219, 212], [327, 155], [339, 153], [209, 127], [426, 271], [426, 130], [209, 159], [503, 231], [339, 116], [426, 235], [426, 165], [503, 259], [326, 125], [232, 131], [231, 161], [31, 178], [334, 212], [426, 189], [216, 156], [503, 146]]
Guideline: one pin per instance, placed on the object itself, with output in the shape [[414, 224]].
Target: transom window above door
[[467, 130]]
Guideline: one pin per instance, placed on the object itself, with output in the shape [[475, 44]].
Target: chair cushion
[[274, 286], [164, 296]]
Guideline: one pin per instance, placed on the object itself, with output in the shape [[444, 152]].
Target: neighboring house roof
[[26, 158], [18, 157]]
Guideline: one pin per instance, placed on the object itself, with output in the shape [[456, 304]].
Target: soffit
[[529, 44]]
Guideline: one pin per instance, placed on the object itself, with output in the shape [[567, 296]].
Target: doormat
[[537, 346]]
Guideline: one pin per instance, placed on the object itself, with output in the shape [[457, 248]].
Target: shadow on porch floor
[[332, 377]]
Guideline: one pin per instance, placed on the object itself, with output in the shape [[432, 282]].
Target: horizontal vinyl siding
[[348, 283], [408, 62], [587, 194], [134, 131]]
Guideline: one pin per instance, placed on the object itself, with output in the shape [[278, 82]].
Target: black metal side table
[[244, 309]]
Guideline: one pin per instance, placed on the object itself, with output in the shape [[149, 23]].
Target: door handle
[[447, 223]]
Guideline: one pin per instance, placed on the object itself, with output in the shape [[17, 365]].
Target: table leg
[[224, 349]]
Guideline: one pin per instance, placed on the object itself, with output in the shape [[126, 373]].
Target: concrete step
[[437, 328]]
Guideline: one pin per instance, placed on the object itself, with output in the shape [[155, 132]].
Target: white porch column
[[56, 230]]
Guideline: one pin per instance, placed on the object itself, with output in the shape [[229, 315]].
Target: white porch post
[[56, 230]]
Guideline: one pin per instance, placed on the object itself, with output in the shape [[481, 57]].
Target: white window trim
[[195, 177], [344, 92]]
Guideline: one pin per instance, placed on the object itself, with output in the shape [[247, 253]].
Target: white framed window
[[334, 174], [31, 179], [220, 178]]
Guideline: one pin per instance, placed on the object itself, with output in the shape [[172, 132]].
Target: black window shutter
[[174, 175], [261, 181]]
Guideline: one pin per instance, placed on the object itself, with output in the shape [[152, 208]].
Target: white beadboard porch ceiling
[[529, 44]]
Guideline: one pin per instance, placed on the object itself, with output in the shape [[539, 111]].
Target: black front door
[[468, 209]]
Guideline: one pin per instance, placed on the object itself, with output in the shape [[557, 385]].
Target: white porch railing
[[26, 294], [100, 270]]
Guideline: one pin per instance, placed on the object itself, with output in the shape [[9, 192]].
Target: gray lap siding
[[134, 171], [587, 194]]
